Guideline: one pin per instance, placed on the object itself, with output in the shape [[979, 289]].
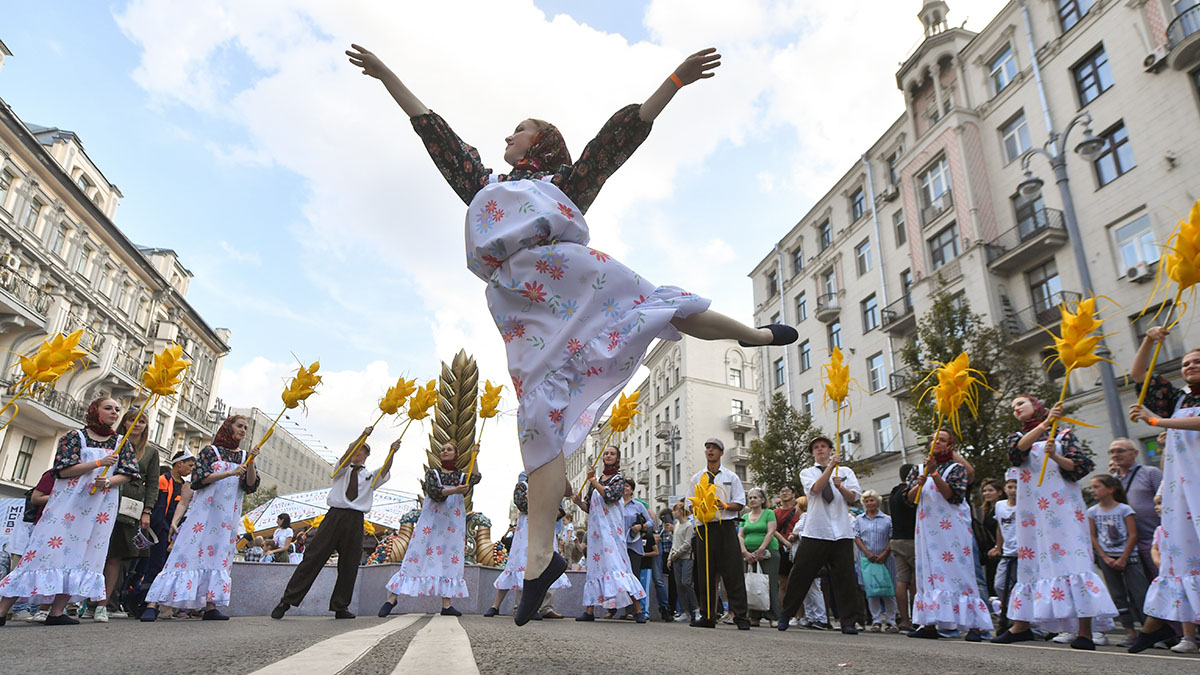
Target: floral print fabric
[[513, 576], [1067, 446], [609, 580], [212, 456], [1175, 593], [435, 479], [433, 563], [70, 448]]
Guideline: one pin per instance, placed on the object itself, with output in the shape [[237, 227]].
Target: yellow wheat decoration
[[489, 402], [957, 384], [623, 412], [54, 358], [297, 391], [836, 375], [393, 399], [418, 409], [705, 505]]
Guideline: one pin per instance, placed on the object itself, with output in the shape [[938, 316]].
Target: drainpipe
[[787, 380], [1037, 71]]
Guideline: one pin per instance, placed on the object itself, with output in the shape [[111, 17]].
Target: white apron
[[609, 580], [947, 590], [513, 576], [68, 545], [197, 571], [1057, 582], [1175, 594], [433, 564]]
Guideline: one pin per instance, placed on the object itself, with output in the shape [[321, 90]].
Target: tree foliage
[[258, 498], [781, 454]]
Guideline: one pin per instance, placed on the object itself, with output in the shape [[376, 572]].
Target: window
[[1045, 286], [735, 377], [1003, 68], [81, 261], [807, 400], [775, 318], [906, 284], [29, 220], [935, 181], [122, 292], [1172, 346], [892, 161], [58, 237], [825, 235], [828, 282], [943, 247], [779, 372], [798, 260], [876, 373], [870, 313], [844, 444], [24, 459], [6, 179], [805, 356], [862, 256], [883, 433], [772, 284], [858, 205], [676, 408], [1071, 11], [1135, 241], [1015, 137], [1031, 215], [801, 307], [901, 228], [737, 407], [1116, 158], [739, 439], [106, 280], [1092, 76], [667, 414], [835, 335]]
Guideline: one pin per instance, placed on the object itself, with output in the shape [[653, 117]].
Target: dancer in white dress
[[610, 582], [1057, 587], [1174, 594], [513, 576], [64, 558], [197, 572], [433, 563], [576, 322]]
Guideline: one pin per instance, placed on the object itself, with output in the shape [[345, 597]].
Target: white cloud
[[237, 254]]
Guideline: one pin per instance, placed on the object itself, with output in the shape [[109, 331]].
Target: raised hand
[[361, 57], [698, 66]]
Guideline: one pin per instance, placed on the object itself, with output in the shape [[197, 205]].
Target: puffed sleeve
[[614, 488], [1161, 396], [603, 155], [127, 463], [1070, 447], [68, 452], [521, 497], [474, 480], [459, 162], [1016, 456], [432, 486], [204, 466], [956, 478], [245, 485]]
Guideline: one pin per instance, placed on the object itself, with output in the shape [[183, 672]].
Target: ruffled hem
[[1057, 603], [613, 593], [191, 589], [41, 585], [1174, 598], [514, 580], [949, 610], [416, 587]]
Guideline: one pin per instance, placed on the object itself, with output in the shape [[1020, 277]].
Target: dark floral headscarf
[[94, 424], [548, 152], [224, 437], [1039, 413]]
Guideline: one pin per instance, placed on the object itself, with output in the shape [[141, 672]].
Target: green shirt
[[753, 531]]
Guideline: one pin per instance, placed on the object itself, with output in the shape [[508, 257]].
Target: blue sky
[[314, 222]]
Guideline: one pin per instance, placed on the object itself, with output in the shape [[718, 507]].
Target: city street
[[472, 644]]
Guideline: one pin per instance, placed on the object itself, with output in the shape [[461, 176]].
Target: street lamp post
[[674, 443], [1055, 152]]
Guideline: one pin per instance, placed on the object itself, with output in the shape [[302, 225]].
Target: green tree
[[258, 498], [946, 330], [782, 453]]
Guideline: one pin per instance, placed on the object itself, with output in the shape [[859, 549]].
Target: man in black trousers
[[341, 530], [724, 551]]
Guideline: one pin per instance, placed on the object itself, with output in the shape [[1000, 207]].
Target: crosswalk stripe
[[334, 655], [442, 647]]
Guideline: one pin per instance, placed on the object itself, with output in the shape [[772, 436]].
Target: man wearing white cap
[[1006, 544], [724, 551]]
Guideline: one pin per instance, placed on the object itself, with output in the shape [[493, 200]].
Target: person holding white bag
[[760, 550]]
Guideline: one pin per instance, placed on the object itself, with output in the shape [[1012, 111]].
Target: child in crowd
[[1005, 550], [1114, 538], [255, 552]]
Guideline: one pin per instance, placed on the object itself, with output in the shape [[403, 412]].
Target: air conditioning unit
[[1139, 273], [1156, 59], [890, 193], [853, 437], [12, 262]]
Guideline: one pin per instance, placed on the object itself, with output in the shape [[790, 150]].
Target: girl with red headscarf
[[68, 546], [576, 323]]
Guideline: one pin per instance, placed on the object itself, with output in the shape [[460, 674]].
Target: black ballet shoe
[[1145, 641], [213, 615], [1084, 643], [973, 636], [927, 632], [1008, 637], [585, 617], [781, 334], [61, 620], [491, 611], [149, 615], [450, 611], [386, 608], [535, 590]]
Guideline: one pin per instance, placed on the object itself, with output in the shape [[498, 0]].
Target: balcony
[[128, 366], [901, 382], [20, 297], [739, 453], [741, 422], [194, 415], [49, 408], [828, 308], [1025, 327], [936, 208], [1040, 231], [643, 476], [1183, 39], [662, 459], [92, 342], [662, 493], [662, 430], [898, 316]]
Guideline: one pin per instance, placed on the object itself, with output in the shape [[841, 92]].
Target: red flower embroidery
[[1025, 553], [55, 542], [1026, 476], [556, 415], [542, 266], [1057, 593], [29, 555], [426, 530], [534, 291], [102, 517], [490, 207], [518, 386], [453, 560], [428, 550], [68, 517], [602, 257], [596, 557], [1043, 503], [948, 556], [198, 528], [573, 345], [945, 524], [556, 273], [566, 211]]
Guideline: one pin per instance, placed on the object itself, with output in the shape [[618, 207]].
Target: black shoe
[[780, 335], [973, 636], [534, 590], [666, 614], [150, 614], [280, 610], [585, 617], [1008, 637], [1145, 641], [782, 625], [820, 625], [703, 623], [640, 618], [386, 608], [450, 611], [343, 614], [927, 632], [61, 620], [214, 615], [491, 611], [1084, 643], [849, 630], [742, 625]]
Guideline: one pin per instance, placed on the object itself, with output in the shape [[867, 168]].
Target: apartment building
[[285, 462]]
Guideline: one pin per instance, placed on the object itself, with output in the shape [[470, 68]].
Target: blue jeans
[[660, 582], [646, 576]]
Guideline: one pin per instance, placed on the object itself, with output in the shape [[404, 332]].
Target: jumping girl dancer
[[575, 321]]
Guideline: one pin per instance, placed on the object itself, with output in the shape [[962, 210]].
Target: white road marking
[[336, 654], [442, 647], [1140, 655]]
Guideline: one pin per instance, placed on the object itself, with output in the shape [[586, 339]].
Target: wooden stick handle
[[1054, 425]]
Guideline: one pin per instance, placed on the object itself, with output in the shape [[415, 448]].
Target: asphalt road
[[409, 643]]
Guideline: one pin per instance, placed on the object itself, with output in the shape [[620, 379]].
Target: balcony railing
[[128, 365], [1184, 26], [739, 453], [662, 459], [194, 411], [901, 382], [55, 400], [1043, 227], [1029, 321], [662, 430], [827, 307], [25, 292], [741, 422], [936, 207], [643, 476], [896, 314], [662, 493]]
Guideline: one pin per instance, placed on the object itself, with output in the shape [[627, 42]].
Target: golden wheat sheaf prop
[[957, 384], [454, 415]]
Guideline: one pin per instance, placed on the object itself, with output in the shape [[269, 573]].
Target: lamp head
[[1030, 188], [1091, 145]]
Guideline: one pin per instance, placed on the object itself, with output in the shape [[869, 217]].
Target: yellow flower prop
[[161, 378], [957, 384], [418, 409], [393, 399], [623, 412], [301, 386], [316, 522], [836, 375], [1180, 265], [705, 506], [248, 525], [53, 359], [489, 406], [368, 527]]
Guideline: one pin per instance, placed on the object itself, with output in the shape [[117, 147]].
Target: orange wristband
[[1153, 421], [678, 82], [98, 465]]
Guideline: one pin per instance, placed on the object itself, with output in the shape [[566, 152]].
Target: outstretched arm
[[695, 67], [371, 65]]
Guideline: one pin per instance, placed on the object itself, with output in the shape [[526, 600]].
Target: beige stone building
[[286, 462], [937, 196], [64, 265], [695, 390]]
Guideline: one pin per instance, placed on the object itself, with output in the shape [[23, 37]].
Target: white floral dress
[[69, 544], [197, 571], [947, 590], [1175, 594], [575, 322], [433, 564], [513, 576], [1057, 582], [609, 580]]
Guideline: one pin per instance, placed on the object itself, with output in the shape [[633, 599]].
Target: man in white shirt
[[724, 550], [349, 500], [828, 537]]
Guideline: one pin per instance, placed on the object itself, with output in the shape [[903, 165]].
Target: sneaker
[[1186, 646], [820, 625], [803, 623], [22, 615], [682, 617], [891, 628], [89, 613], [117, 614], [100, 614], [40, 617], [1099, 639], [876, 627], [1064, 638], [1126, 641]]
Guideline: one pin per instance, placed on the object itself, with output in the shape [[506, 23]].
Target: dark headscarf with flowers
[[94, 424], [1039, 413], [224, 437], [546, 153]]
